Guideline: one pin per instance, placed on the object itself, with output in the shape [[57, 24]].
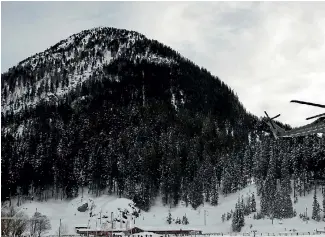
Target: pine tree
[[316, 208], [247, 209], [215, 193], [268, 199], [235, 220], [52, 87], [238, 220], [214, 197], [228, 178], [285, 175], [169, 218], [324, 204], [285, 193], [241, 219], [46, 85], [257, 171], [263, 203], [287, 206], [278, 207], [196, 195], [253, 203]]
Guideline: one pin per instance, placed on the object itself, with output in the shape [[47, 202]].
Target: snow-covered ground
[[156, 217]]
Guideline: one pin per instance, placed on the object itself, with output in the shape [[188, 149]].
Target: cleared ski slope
[[156, 217]]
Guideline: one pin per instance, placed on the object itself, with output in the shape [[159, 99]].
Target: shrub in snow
[[258, 216], [185, 221], [169, 218], [83, 207], [229, 216], [223, 217]]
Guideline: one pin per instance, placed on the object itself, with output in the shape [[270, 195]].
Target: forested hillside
[[115, 112]]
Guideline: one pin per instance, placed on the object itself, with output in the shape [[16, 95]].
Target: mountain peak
[[71, 62]]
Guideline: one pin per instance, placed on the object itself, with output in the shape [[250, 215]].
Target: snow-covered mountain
[[119, 114], [71, 62], [118, 90]]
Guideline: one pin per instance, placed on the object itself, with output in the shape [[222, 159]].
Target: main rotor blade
[[266, 114], [269, 119], [307, 103], [316, 116], [275, 116]]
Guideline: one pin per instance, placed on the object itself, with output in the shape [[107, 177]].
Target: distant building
[[99, 232], [320, 231], [80, 227], [169, 230], [163, 231]]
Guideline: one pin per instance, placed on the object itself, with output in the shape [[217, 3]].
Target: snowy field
[[156, 217]]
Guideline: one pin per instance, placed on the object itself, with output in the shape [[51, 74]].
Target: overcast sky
[[269, 53]]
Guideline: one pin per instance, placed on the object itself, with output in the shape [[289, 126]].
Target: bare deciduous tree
[[15, 226], [39, 224]]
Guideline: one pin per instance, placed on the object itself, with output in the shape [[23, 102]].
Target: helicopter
[[318, 126]]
